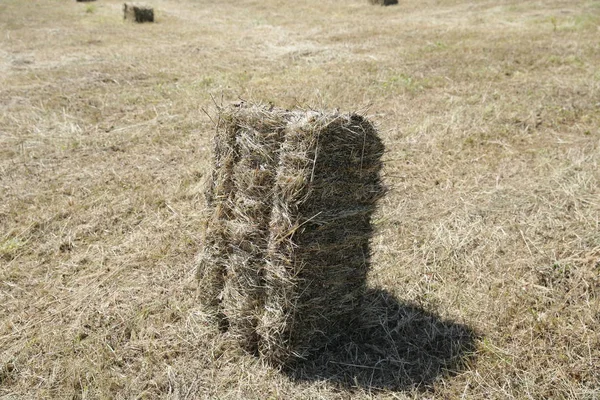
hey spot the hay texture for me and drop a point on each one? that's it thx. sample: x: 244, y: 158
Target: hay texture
x: 138, y: 12
x: 286, y: 252
x: 383, y: 2
x: 239, y: 200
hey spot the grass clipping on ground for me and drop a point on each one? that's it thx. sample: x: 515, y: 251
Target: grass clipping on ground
x: 286, y: 249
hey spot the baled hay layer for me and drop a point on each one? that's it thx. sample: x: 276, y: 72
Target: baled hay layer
x: 326, y: 188
x: 214, y: 257
x: 257, y: 140
x: 384, y: 2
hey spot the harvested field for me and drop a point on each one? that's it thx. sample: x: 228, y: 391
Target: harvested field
x: 485, y: 252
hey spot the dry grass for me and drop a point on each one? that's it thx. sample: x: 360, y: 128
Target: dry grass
x: 490, y: 111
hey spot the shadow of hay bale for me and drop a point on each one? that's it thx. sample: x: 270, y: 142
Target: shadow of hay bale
x: 393, y: 346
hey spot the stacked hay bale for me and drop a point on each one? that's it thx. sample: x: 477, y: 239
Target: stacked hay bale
x: 383, y: 2
x: 138, y: 12
x: 292, y: 263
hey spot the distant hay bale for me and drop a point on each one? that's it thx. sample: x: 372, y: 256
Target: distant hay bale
x: 138, y: 12
x: 84, y: 1
x: 383, y: 2
x: 287, y: 247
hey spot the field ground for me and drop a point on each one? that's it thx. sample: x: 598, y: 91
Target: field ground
x: 489, y: 240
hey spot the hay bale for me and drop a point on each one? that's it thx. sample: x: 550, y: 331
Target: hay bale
x: 292, y: 206
x: 258, y: 135
x: 84, y: 1
x: 383, y: 2
x: 138, y: 12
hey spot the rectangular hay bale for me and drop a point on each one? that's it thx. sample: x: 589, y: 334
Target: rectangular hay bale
x: 138, y: 12
x: 383, y: 2
x: 291, y: 198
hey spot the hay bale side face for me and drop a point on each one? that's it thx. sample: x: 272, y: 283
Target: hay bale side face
x: 326, y: 189
x: 258, y: 135
x: 213, y: 259
x: 138, y: 12
x: 144, y: 14
x: 128, y: 13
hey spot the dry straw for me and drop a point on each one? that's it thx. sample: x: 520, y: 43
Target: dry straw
x: 287, y: 242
